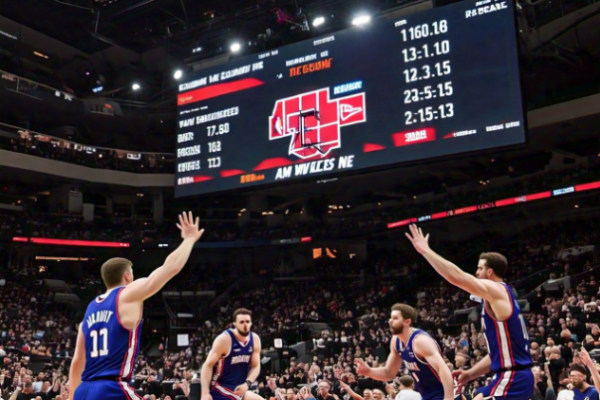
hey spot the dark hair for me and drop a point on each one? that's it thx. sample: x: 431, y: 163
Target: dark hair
x: 112, y: 271
x: 407, y: 381
x: 496, y: 262
x: 407, y: 312
x: 241, y: 311
x: 578, y: 368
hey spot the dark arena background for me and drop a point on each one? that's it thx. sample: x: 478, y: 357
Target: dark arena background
x: 309, y: 136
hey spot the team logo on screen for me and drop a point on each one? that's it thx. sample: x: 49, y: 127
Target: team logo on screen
x: 313, y: 121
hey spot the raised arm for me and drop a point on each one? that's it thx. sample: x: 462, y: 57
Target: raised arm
x: 386, y: 373
x: 351, y: 392
x: 219, y: 349
x: 141, y: 289
x: 487, y: 290
x: 587, y: 360
x: 426, y: 348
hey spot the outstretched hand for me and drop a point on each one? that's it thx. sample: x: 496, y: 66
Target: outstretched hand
x: 584, y: 356
x: 189, y: 228
x: 417, y: 239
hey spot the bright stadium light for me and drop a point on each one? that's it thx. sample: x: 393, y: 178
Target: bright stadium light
x: 361, y: 20
x: 235, y: 47
x: 178, y: 74
x: 318, y: 21
x: 136, y: 86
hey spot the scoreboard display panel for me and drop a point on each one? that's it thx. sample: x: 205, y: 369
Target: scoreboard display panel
x: 440, y: 82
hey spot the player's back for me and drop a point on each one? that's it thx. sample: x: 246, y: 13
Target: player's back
x: 110, y: 348
x: 232, y: 369
x: 427, y: 381
x: 508, y: 341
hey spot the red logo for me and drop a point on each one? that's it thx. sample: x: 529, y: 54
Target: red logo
x: 313, y: 121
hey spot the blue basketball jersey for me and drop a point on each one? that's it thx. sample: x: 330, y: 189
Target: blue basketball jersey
x: 507, y: 341
x: 427, y: 381
x: 589, y: 394
x: 232, y: 369
x: 110, y: 349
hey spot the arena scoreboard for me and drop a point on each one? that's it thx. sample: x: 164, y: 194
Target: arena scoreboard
x: 440, y: 82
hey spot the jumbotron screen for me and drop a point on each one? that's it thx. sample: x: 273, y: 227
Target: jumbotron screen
x: 440, y: 82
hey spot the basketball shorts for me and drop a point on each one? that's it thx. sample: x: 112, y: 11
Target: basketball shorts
x: 105, y: 390
x: 220, y: 392
x: 509, y: 385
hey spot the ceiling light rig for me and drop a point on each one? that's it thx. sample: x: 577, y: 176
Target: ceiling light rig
x: 300, y: 21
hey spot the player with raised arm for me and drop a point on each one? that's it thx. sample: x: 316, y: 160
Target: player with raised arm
x: 420, y: 353
x: 504, y: 326
x: 233, y: 362
x: 108, y: 339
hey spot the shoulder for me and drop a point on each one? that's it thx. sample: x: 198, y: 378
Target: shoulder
x: 223, y: 339
x: 422, y: 338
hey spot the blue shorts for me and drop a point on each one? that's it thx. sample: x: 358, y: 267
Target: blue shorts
x: 220, y: 392
x: 105, y: 390
x: 509, y: 385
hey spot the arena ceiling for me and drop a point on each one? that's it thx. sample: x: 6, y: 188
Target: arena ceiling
x: 180, y: 25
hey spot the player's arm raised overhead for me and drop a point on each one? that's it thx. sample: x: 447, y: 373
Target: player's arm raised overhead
x: 220, y: 348
x: 77, y: 364
x: 589, y: 363
x: 487, y: 290
x: 426, y: 348
x: 386, y: 373
x: 143, y: 288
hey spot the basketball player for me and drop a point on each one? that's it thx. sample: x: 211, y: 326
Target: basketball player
x: 108, y: 338
x: 504, y: 326
x: 233, y: 362
x: 420, y: 354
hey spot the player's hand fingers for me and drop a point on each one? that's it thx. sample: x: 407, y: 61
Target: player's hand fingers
x: 180, y: 220
x: 190, y: 217
x: 197, y: 222
x: 408, y: 236
x: 179, y: 227
x: 427, y: 238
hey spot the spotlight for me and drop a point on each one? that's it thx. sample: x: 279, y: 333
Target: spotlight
x: 361, y: 20
x: 318, y: 21
x: 235, y: 47
x: 178, y: 74
x: 136, y: 86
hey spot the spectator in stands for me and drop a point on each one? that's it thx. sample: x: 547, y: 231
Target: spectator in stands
x: 581, y: 388
x: 323, y: 391
x: 407, y: 392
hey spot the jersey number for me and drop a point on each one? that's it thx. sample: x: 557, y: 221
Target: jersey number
x: 103, y: 333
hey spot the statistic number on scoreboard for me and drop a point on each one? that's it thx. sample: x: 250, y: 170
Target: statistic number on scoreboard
x: 426, y: 72
x: 220, y: 129
x: 426, y: 51
x: 428, y: 92
x: 214, y: 147
x: 214, y: 162
x: 424, y: 30
x: 427, y: 114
